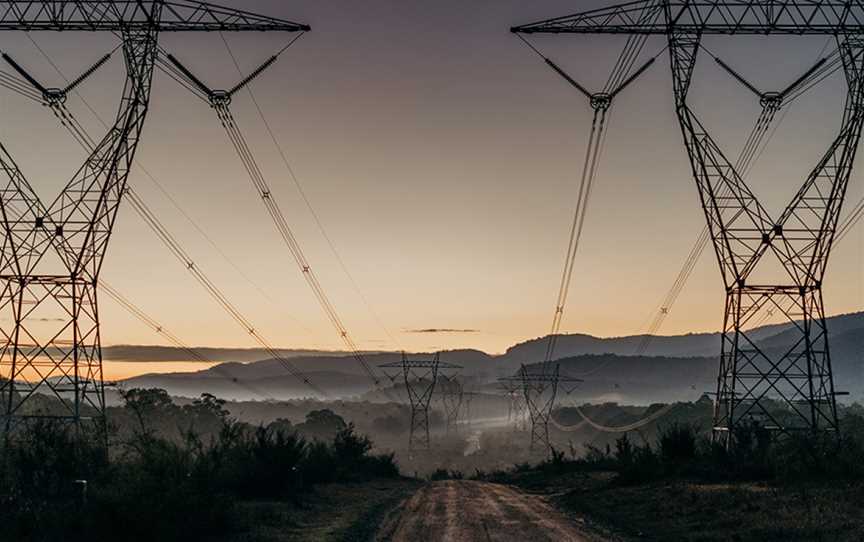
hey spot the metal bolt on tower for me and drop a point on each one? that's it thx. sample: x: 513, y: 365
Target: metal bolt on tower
x: 778, y: 389
x: 51, y: 359
x: 420, y: 377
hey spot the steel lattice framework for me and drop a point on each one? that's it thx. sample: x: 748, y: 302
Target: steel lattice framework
x: 538, y: 386
x: 753, y: 380
x: 516, y: 408
x: 420, y: 377
x: 52, y: 254
x: 452, y: 394
x: 468, y: 399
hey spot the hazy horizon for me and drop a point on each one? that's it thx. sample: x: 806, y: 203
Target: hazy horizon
x: 123, y: 361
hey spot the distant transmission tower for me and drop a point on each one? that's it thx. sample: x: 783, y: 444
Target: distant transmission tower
x: 516, y: 408
x: 540, y: 389
x: 452, y: 396
x: 779, y: 389
x: 468, y: 397
x: 420, y: 377
x: 52, y: 254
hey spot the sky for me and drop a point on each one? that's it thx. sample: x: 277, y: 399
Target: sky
x: 442, y: 158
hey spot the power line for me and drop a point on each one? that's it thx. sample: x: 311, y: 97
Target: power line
x: 220, y: 101
x: 621, y: 76
x: 150, y: 322
x: 283, y: 156
x: 754, y: 147
x: 81, y: 136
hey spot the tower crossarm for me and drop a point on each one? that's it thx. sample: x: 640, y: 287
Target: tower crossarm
x: 830, y: 17
x: 131, y: 15
x: 78, y: 223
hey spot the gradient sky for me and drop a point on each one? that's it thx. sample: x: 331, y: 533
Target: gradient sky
x: 442, y: 157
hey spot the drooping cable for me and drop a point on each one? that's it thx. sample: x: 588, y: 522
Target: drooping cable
x: 654, y: 416
x: 196, y: 354
x: 262, y: 188
x: 114, y: 294
x: 589, y: 172
x: 13, y: 83
x: 159, y: 328
x: 174, y: 247
x: 79, y: 133
x: 221, y: 105
x: 622, y: 75
x: 84, y: 140
x: 851, y: 221
x: 168, y: 67
x: 300, y: 190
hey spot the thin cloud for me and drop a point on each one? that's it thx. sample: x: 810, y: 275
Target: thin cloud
x: 39, y: 319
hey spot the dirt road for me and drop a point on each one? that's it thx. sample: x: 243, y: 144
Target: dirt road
x: 467, y: 511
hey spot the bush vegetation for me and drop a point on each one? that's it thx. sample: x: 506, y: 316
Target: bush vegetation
x: 683, y: 451
x: 57, y: 484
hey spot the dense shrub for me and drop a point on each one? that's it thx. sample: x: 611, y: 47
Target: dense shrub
x: 753, y: 454
x: 164, y: 492
x: 677, y: 444
x: 347, y: 459
x: 258, y: 463
x: 156, y: 487
x: 41, y: 479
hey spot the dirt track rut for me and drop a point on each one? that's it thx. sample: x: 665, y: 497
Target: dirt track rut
x: 467, y: 511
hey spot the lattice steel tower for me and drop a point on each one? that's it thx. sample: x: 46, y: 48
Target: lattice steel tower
x: 785, y: 389
x: 452, y: 394
x: 420, y: 377
x: 52, y: 254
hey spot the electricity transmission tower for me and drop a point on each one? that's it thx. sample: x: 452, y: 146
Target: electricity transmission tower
x: 516, y: 407
x: 52, y: 254
x: 540, y: 389
x: 452, y: 397
x: 789, y: 389
x: 420, y: 377
x: 468, y: 398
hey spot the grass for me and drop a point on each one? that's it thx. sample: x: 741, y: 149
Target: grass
x: 685, y: 510
x: 334, y: 513
x: 682, y: 488
x: 680, y: 510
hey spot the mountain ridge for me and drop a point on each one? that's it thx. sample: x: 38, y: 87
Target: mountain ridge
x: 340, y: 371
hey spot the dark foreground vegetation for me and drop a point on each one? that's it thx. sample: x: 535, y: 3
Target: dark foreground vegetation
x: 682, y: 486
x: 172, y: 473
x: 182, y: 469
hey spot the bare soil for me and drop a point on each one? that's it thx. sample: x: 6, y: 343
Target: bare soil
x: 468, y: 511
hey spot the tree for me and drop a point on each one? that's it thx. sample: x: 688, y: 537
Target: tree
x: 322, y: 424
x: 206, y: 414
x: 150, y: 406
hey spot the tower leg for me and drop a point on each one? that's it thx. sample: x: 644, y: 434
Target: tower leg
x: 51, y: 360
x: 785, y: 389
